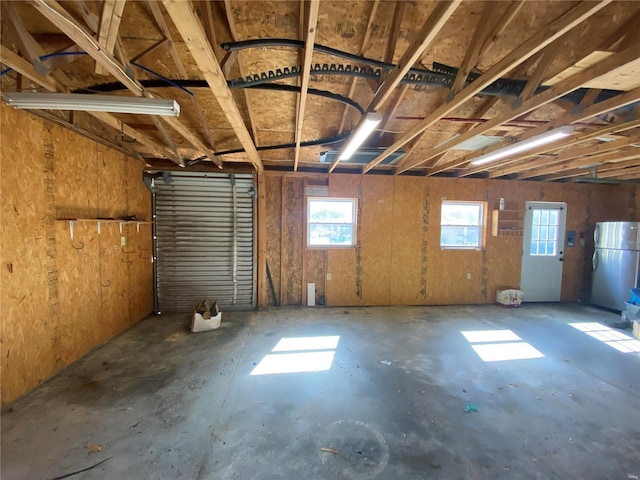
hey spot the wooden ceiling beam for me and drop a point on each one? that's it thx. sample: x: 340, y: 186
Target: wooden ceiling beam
x: 57, y: 15
x: 209, y: 28
x: 560, y: 89
x: 312, y: 20
x: 622, y: 173
x: 526, y: 166
x: 394, y: 109
x: 22, y: 66
x: 164, y: 28
x: 148, y: 142
x: 245, y: 91
x: 612, y: 160
x: 394, y: 34
x: 582, y: 163
x: 153, y: 53
x: 534, y: 44
x: 110, y: 19
x: 596, y: 109
x: 548, y: 56
x: 510, y: 13
x: 421, y: 42
x: 188, y: 24
x: 354, y: 80
x: 472, y: 54
x: 92, y: 21
x: 19, y: 64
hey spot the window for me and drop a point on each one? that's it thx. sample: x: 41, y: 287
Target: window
x: 461, y: 225
x: 544, y: 231
x: 331, y: 222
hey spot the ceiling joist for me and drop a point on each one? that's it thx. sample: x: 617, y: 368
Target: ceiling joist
x: 534, y: 44
x: 311, y: 22
x: 110, y: 19
x: 57, y: 15
x: 543, y: 98
x: 186, y: 21
x: 421, y: 42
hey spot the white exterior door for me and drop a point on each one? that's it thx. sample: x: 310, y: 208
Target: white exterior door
x: 543, y: 251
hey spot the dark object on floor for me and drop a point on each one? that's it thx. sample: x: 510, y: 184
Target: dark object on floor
x: 83, y: 470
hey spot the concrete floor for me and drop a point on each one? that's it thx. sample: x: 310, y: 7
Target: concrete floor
x: 162, y: 403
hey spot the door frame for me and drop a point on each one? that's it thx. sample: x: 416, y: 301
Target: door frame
x: 526, y: 245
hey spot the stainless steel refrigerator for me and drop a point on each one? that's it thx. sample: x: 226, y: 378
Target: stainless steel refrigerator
x: 616, y: 263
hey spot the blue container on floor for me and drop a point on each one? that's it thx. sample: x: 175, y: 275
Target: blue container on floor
x: 635, y: 296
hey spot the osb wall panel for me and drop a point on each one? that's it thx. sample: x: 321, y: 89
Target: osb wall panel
x: 345, y: 264
x: 63, y: 296
x: 316, y: 271
x: 410, y: 226
x: 292, y: 236
x: 376, y: 239
x: 398, y: 260
x: 273, y: 219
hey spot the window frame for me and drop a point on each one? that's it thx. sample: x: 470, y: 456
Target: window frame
x: 482, y: 225
x: 353, y: 223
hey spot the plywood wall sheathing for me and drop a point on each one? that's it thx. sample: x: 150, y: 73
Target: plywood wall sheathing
x: 63, y: 296
x: 398, y: 259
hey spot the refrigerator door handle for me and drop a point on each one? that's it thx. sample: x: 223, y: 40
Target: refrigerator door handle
x: 596, y: 234
x: 594, y: 261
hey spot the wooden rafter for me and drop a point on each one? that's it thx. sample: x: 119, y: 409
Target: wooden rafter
x: 423, y: 39
x: 61, y: 82
x: 478, y: 39
x: 20, y: 65
x: 92, y: 21
x: 209, y: 28
x: 590, y: 97
x: 110, y: 19
x: 245, y: 91
x: 394, y: 108
x: 596, y: 109
x: 148, y: 142
x: 549, y: 95
x: 566, y: 156
x: 502, y: 24
x: 164, y: 28
x: 583, y: 162
x: 547, y: 57
x: 612, y: 164
x: 396, y: 24
x: 312, y: 20
x: 185, y: 19
x: 52, y: 10
x: 365, y: 41
x: 534, y: 44
x: 152, y: 53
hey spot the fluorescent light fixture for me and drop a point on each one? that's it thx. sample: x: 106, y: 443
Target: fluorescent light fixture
x: 367, y: 125
x: 92, y: 103
x: 538, y: 140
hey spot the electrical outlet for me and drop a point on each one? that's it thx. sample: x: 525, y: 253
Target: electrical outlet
x: 468, y: 276
x: 123, y: 241
x: 328, y: 276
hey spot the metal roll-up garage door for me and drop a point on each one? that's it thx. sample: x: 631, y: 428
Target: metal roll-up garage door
x: 204, y: 240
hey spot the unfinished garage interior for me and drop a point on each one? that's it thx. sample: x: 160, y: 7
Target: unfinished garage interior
x: 396, y: 205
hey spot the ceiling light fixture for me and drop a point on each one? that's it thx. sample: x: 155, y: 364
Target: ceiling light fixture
x: 367, y: 125
x: 92, y: 103
x: 538, y: 140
